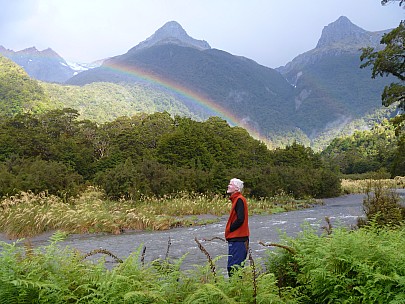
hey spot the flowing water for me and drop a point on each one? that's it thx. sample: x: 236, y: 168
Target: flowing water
x: 342, y: 210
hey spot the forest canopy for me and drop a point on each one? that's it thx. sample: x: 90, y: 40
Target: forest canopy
x: 152, y: 154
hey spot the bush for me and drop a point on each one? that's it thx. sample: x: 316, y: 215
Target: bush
x: 382, y: 205
x: 39, y: 175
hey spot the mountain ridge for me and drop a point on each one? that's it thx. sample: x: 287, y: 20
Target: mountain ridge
x: 320, y: 89
x: 340, y: 36
x: 45, y: 65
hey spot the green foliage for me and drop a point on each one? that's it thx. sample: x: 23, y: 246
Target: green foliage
x: 119, y: 181
x: 296, y: 155
x: 382, y: 206
x: 103, y: 102
x: 53, y: 275
x: 364, y: 151
x: 38, y: 175
x: 389, y: 61
x: 398, y: 165
x: 361, y: 266
x: 300, y: 182
x: 154, y: 154
x: 296, y: 170
x: 18, y: 92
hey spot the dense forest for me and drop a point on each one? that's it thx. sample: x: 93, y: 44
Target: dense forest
x: 377, y: 149
x: 151, y: 154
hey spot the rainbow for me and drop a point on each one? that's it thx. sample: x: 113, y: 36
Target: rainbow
x: 199, y: 98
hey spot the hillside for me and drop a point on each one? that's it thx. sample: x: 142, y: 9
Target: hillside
x: 102, y: 102
x: 18, y: 92
x: 334, y: 91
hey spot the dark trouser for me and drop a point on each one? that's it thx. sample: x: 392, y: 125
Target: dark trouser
x: 237, y: 253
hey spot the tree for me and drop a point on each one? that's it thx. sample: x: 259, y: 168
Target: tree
x: 389, y: 61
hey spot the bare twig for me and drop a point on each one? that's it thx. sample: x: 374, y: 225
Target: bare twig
x: 328, y: 228
x: 203, y: 250
x: 214, y: 238
x: 289, y: 249
x: 104, y: 251
x: 143, y: 256
x: 169, y: 243
x: 252, y: 264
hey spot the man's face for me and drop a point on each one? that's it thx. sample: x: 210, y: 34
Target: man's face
x: 231, y: 188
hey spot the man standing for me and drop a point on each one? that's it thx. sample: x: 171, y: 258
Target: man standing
x: 237, y: 228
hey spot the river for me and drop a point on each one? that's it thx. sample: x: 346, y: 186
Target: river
x: 343, y: 210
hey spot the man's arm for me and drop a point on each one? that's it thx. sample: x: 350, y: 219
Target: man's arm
x: 240, y: 215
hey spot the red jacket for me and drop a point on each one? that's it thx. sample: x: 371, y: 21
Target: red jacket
x: 242, y: 232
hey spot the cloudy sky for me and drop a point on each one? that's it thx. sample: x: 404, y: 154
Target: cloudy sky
x: 271, y: 32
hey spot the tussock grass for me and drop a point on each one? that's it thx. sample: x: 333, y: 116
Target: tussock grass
x: 350, y: 186
x: 28, y: 214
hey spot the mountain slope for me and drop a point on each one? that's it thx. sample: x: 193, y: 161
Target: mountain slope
x: 44, y: 65
x: 259, y: 97
x: 18, y: 92
x: 325, y: 87
x: 331, y: 89
x: 102, y: 102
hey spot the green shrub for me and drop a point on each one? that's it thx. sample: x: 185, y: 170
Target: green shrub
x: 39, y: 175
x: 382, y: 205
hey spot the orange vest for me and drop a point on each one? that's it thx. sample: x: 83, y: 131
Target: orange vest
x: 242, y: 231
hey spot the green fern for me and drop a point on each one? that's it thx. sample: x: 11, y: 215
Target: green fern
x: 208, y: 293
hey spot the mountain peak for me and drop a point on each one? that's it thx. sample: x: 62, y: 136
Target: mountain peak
x: 172, y: 33
x: 51, y: 53
x: 171, y: 29
x: 30, y: 50
x: 342, y: 31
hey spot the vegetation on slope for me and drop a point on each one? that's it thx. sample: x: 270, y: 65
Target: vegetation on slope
x: 18, y: 92
x: 366, y: 151
x: 102, y: 101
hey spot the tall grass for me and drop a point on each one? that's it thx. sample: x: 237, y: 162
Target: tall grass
x: 362, y: 185
x: 27, y: 214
